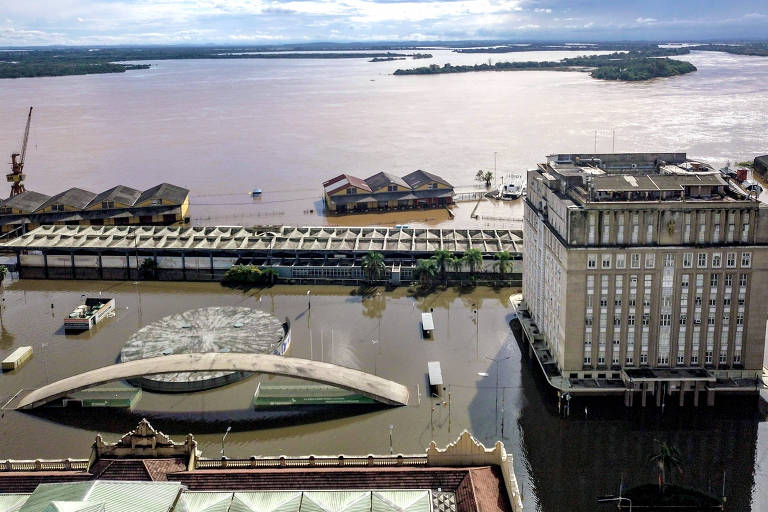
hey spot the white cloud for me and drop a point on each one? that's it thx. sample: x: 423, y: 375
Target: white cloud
x: 542, y: 10
x: 645, y: 20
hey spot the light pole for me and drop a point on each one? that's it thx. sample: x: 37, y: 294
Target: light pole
x: 496, y: 361
x: 309, y: 299
x: 374, y: 342
x: 223, y: 438
x: 391, y: 450
x: 617, y: 498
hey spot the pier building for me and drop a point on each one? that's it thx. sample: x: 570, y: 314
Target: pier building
x: 300, y: 254
x: 644, y: 272
x: 385, y: 191
x: 146, y: 470
x: 161, y: 205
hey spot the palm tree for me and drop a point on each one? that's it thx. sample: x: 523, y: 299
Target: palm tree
x: 457, y: 264
x: 425, y: 271
x: 666, y: 459
x: 503, y: 262
x: 373, y: 265
x: 442, y: 257
x: 473, y: 258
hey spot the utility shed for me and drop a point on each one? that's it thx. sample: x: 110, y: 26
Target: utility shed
x: 17, y: 358
x: 427, y: 325
x: 435, y: 378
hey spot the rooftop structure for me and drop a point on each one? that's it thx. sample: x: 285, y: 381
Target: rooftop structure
x: 214, y: 329
x: 644, y: 261
x: 205, y: 253
x: 163, y: 204
x: 145, y: 470
x: 419, y: 189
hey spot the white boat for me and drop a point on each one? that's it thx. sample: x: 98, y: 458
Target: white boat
x: 87, y: 315
x: 752, y: 186
x: 512, y: 187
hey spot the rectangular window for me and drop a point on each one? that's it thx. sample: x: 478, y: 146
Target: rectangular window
x: 687, y: 258
x: 727, y: 302
x: 591, y: 261
x: 669, y: 260
x: 708, y: 357
x: 728, y: 280
x: 717, y: 260
x: 587, y: 360
x: 683, y: 319
x: 634, y: 260
x: 713, y: 281
x: 606, y: 228
x: 588, y: 321
x: 650, y: 260
x: 603, y: 302
x: 631, y: 319
x: 591, y: 232
x: 621, y: 261
x: 740, y: 319
x: 687, y: 229
x: 606, y: 261
x: 617, y: 303
x: 665, y: 320
x: 616, y: 321
x: 746, y: 259
x: 742, y: 280
x: 730, y: 260
x: 351, y: 190
x: 745, y: 232
x: 710, y: 320
x: 646, y: 319
x: 701, y: 260
x: 684, y: 280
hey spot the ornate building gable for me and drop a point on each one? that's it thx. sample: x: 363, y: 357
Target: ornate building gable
x: 145, y: 442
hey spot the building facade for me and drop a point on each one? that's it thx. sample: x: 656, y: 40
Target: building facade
x: 161, y: 205
x: 645, y: 261
x: 385, y: 191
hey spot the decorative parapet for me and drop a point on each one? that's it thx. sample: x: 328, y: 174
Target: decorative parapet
x: 44, y: 465
x: 468, y: 451
x: 314, y: 461
x: 146, y: 442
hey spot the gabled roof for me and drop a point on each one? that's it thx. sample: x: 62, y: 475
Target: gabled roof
x: 383, y: 179
x: 120, y: 194
x: 74, y: 197
x: 166, y: 191
x: 343, y: 181
x: 28, y: 201
x: 419, y: 178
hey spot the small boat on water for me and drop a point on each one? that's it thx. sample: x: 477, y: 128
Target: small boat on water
x: 512, y: 187
x: 87, y: 315
x: 256, y: 192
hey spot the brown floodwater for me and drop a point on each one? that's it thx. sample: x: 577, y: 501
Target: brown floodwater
x: 562, y: 464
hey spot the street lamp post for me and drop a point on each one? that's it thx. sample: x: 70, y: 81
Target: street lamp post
x: 309, y: 299
x: 391, y: 450
x: 223, y: 438
x: 496, y: 361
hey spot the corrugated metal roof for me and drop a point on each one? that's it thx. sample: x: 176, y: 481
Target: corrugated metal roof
x: 336, y: 501
x: 117, y: 496
x: 266, y: 501
x: 418, y: 178
x: 120, y: 193
x: 74, y: 198
x: 166, y: 191
x: 75, y: 506
x: 27, y: 201
x: 12, y: 502
x: 383, y: 179
x: 401, y: 501
x: 204, y: 502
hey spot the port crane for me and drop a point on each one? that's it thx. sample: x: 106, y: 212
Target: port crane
x: 16, y: 175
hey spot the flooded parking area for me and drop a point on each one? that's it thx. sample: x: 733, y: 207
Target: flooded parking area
x: 491, y: 389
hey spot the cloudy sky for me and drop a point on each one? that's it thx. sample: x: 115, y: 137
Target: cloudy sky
x: 36, y: 22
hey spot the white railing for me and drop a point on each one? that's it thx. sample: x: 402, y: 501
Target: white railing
x: 44, y: 465
x: 312, y: 461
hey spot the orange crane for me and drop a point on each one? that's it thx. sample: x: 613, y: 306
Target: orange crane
x: 16, y: 176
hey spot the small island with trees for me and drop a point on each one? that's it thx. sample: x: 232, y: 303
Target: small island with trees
x: 625, y: 66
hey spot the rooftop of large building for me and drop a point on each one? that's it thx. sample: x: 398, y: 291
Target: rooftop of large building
x: 78, y: 199
x: 637, y: 177
x: 383, y: 179
x: 146, y: 470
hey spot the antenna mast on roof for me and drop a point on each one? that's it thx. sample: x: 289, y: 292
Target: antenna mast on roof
x: 16, y: 175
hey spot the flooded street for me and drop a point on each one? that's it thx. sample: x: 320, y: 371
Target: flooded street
x: 562, y: 464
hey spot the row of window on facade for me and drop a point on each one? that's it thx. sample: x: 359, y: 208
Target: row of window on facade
x: 650, y: 227
x: 702, y: 260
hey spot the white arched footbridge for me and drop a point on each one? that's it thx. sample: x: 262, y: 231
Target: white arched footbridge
x: 377, y: 388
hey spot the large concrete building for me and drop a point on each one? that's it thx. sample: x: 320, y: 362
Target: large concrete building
x: 644, y: 272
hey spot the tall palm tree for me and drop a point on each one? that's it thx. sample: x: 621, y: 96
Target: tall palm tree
x: 425, y: 271
x: 667, y: 459
x: 442, y: 257
x: 373, y: 265
x: 473, y: 258
x: 457, y: 264
x: 503, y: 262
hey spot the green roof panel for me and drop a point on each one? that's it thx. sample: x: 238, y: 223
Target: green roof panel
x: 266, y: 501
x: 12, y: 502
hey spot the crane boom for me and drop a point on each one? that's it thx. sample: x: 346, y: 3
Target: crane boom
x: 16, y: 177
x: 26, y: 137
